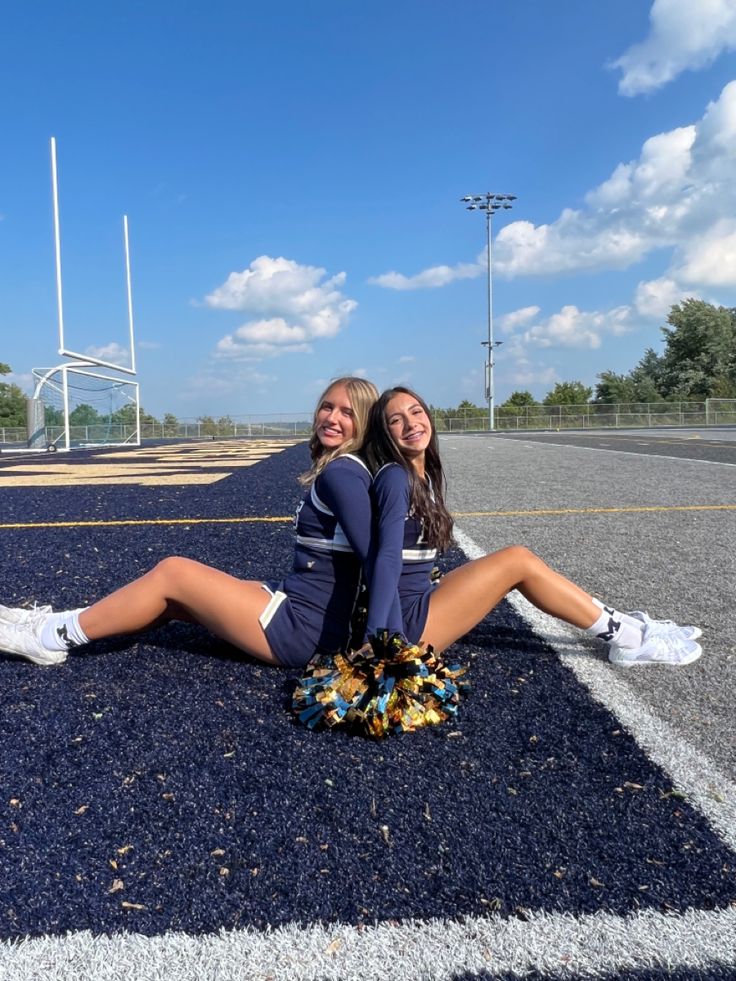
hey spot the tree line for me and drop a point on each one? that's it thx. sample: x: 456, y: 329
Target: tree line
x: 698, y: 362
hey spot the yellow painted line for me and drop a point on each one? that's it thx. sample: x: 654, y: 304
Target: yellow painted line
x: 281, y: 519
x: 204, y: 448
x: 118, y: 469
x: 146, y: 521
x: 628, y: 510
x: 144, y: 480
x: 261, y: 452
x: 131, y: 466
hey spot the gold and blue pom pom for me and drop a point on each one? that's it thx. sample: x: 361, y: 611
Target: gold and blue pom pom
x: 392, y: 687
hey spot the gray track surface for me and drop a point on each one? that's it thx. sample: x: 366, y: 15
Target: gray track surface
x: 713, y: 446
x: 673, y: 564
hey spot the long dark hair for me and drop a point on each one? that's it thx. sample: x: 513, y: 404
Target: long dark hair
x: 427, y: 499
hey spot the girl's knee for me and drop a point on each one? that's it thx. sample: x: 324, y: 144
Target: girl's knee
x: 171, y: 568
x: 518, y: 554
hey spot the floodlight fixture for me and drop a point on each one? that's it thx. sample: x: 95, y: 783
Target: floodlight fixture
x: 490, y: 203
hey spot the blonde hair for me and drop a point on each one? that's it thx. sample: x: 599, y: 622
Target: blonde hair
x: 363, y: 394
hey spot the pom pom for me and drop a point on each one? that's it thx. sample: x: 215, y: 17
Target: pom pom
x: 392, y: 686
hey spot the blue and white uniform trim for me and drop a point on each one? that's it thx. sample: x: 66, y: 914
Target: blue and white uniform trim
x: 310, y: 610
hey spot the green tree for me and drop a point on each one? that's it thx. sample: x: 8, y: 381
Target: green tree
x: 126, y: 417
x: 518, y: 399
x: 648, y: 375
x: 568, y: 393
x: 700, y: 351
x: 208, y: 426
x: 84, y: 415
x: 612, y: 387
x: 53, y: 417
x: 641, y: 385
x: 171, y: 425
x: 468, y: 410
x: 12, y: 402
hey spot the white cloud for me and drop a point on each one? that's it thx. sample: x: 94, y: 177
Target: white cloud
x: 672, y: 196
x: 113, y: 352
x: 511, y: 321
x: 150, y: 345
x: 215, y: 383
x: 684, y: 34
x: 526, y: 373
x: 570, y: 327
x: 710, y: 258
x: 406, y: 359
x: 232, y: 349
x: 24, y: 380
x: 296, y: 304
x: 432, y: 277
x: 654, y: 299
x: 658, y: 173
x: 273, y: 331
x: 587, y: 329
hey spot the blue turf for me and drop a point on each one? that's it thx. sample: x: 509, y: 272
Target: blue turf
x: 175, y: 745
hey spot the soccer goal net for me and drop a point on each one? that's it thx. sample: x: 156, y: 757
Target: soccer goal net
x: 74, y: 407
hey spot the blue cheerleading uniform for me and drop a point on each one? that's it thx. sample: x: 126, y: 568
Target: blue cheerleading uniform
x: 309, y: 611
x: 400, y: 563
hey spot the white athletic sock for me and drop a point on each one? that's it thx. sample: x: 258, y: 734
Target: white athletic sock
x: 626, y: 617
x: 616, y: 628
x: 61, y: 631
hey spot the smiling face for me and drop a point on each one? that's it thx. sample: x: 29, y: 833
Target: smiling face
x: 334, y: 420
x: 409, y: 425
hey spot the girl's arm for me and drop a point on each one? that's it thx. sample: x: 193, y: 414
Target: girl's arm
x: 344, y: 487
x: 390, y: 493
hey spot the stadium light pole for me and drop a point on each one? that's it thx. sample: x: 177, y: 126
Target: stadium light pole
x: 489, y: 203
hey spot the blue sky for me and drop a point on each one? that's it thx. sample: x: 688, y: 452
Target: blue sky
x: 292, y: 178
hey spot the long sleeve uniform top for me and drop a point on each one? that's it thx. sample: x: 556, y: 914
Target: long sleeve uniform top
x: 333, y: 534
x: 400, y: 563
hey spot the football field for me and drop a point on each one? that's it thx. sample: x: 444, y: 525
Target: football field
x: 164, y: 816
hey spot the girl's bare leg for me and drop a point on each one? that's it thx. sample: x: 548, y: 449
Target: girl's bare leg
x: 182, y: 589
x: 465, y: 595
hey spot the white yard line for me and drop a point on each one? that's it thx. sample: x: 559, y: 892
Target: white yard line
x: 592, y: 946
x: 706, y: 787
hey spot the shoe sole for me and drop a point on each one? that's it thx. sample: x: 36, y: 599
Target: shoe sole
x: 43, y: 662
x: 688, y: 659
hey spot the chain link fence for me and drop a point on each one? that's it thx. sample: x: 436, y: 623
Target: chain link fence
x: 712, y: 412
x: 624, y: 415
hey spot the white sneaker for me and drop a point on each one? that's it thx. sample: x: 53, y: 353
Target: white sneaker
x: 22, y: 639
x: 667, y: 626
x: 656, y: 648
x: 21, y: 614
